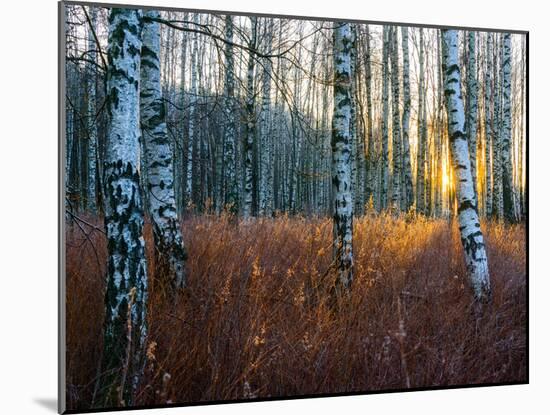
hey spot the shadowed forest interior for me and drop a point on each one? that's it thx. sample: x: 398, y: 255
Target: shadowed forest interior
x: 266, y: 207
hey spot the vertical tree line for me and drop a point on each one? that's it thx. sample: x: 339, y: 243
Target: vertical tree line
x: 189, y: 113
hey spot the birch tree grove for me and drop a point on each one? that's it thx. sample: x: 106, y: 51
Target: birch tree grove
x: 470, y: 229
x: 126, y: 294
x: 213, y: 159
x: 171, y: 254
x: 341, y: 144
x: 247, y: 115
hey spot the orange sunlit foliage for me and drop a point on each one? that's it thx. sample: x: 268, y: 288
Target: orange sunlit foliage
x: 256, y: 319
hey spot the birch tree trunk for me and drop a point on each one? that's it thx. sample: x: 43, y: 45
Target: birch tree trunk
x: 396, y: 124
x: 385, y: 112
x: 408, y: 185
x: 126, y: 294
x: 189, y: 185
x: 266, y: 172
x: 91, y: 197
x: 421, y: 147
x: 170, y: 252
x: 507, y: 179
x: 229, y: 160
x: 369, y: 193
x: 471, y: 120
x: 358, y: 140
x: 470, y: 230
x: 250, y: 124
x: 438, y: 205
x: 179, y: 160
x: 341, y: 144
x: 489, y: 131
x: 498, y: 210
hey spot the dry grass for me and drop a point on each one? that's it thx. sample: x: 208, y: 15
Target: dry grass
x: 255, y: 319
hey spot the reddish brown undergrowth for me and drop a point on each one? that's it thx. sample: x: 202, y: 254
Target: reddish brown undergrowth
x: 255, y: 319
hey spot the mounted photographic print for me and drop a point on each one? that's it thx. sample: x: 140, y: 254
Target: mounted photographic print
x: 259, y: 207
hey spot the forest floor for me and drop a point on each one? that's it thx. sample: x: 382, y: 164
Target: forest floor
x: 256, y: 319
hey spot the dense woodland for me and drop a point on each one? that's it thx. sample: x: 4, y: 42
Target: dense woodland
x: 186, y: 131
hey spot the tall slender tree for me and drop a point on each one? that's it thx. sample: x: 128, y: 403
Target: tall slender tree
x: 422, y: 132
x: 193, y: 102
x: 408, y: 185
x: 396, y: 123
x: 341, y: 143
x: 229, y: 140
x: 498, y: 209
x: 471, y: 105
x: 125, y: 329
x: 385, y: 118
x: 509, y: 204
x: 370, y: 164
x: 91, y: 198
x: 470, y: 229
x: 250, y: 122
x: 169, y: 249
x: 489, y: 131
x: 266, y: 179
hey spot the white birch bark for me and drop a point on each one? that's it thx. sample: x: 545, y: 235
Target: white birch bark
x: 91, y: 197
x: 498, y: 208
x: 266, y: 172
x: 489, y: 132
x: 509, y: 206
x: 250, y: 123
x: 396, y: 124
x: 229, y: 160
x: 470, y: 230
x: 422, y: 134
x: 358, y: 150
x: 341, y: 144
x: 192, y: 116
x: 170, y: 252
x: 438, y: 205
x: 408, y: 185
x: 472, y: 105
x: 179, y: 154
x: 126, y: 293
x: 371, y: 164
x: 385, y: 119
